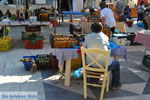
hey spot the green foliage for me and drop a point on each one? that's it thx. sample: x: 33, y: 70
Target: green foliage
x: 14, y: 18
x: 6, y: 31
x: 34, y: 37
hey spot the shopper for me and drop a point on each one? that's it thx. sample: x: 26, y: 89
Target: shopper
x: 127, y: 13
x: 102, y: 3
x: 107, y: 15
x: 141, y: 12
x: 119, y: 7
x: 97, y: 39
x: 8, y: 14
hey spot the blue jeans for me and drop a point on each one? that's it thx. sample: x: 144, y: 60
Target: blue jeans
x: 115, y: 68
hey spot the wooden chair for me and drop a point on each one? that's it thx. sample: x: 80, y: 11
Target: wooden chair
x: 101, y: 72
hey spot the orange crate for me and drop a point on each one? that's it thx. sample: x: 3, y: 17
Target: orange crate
x: 76, y: 63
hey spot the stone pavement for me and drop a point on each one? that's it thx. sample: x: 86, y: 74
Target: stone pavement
x: 13, y: 78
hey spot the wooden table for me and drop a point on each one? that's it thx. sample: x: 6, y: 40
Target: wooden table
x: 66, y: 54
x: 23, y: 23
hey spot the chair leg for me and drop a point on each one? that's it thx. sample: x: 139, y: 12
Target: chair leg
x: 85, y: 85
x: 108, y: 82
x: 103, y: 88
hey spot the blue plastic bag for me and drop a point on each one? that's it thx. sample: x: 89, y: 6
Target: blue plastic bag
x: 113, y: 45
x: 140, y: 24
x: 78, y: 73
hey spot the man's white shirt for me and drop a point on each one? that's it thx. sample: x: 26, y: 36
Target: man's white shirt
x: 108, y: 14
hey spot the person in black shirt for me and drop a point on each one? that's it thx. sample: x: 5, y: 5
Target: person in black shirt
x: 8, y: 14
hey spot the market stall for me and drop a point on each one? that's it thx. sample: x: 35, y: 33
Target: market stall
x: 143, y: 38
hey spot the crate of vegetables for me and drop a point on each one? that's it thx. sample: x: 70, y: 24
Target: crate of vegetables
x: 34, y: 41
x: 5, y: 43
x: 43, y: 61
x: 63, y: 41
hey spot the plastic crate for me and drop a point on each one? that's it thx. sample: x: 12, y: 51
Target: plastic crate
x: 62, y: 41
x: 5, y: 43
x: 27, y: 65
x: 43, y: 62
x: 37, y: 45
x: 129, y: 23
x: 76, y: 63
x: 33, y: 28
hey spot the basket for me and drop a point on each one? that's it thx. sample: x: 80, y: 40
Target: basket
x: 37, y: 45
x: 129, y: 23
x: 5, y: 43
x: 28, y: 65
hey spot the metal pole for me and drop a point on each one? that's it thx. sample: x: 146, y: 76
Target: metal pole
x: 55, y: 16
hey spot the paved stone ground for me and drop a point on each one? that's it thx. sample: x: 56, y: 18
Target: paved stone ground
x: 13, y: 78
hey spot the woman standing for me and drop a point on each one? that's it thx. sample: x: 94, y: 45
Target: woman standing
x: 141, y: 11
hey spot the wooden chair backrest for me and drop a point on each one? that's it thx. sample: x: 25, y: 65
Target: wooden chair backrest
x: 104, y: 55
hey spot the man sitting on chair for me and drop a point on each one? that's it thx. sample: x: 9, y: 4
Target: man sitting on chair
x: 97, y: 39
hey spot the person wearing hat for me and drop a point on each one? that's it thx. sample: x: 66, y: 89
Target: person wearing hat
x: 107, y: 16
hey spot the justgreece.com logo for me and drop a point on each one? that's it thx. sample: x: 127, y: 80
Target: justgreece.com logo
x: 18, y: 96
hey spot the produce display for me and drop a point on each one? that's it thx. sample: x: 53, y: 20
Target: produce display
x: 5, y: 43
x: 94, y: 19
x: 43, y: 17
x: 63, y: 41
x: 34, y: 40
x: 40, y: 62
x: 43, y: 62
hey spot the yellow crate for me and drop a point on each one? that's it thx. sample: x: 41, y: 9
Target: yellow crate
x: 76, y: 63
x: 5, y: 43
